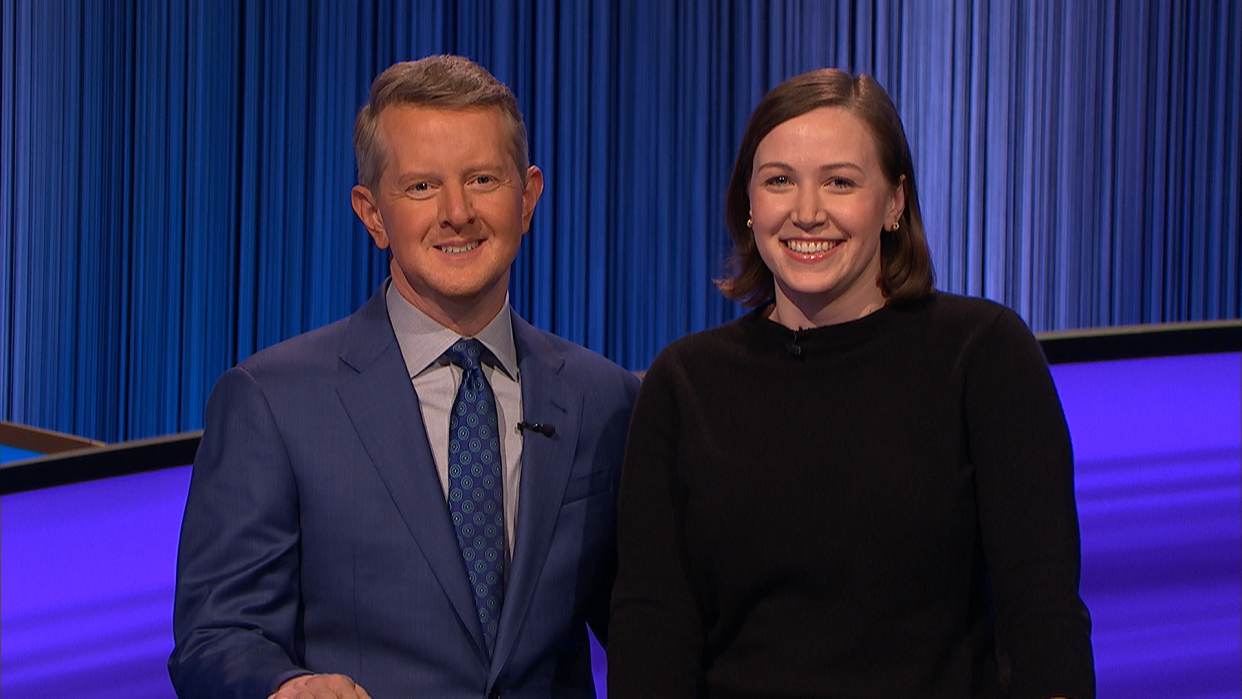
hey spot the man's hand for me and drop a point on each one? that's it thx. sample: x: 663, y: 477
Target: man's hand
x: 319, y: 687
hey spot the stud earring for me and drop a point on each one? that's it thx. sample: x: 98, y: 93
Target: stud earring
x: 896, y: 225
x: 750, y: 223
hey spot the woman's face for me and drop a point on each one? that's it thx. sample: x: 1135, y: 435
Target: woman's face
x: 818, y: 200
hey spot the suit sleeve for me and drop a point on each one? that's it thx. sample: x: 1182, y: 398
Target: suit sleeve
x: 657, y: 629
x: 1020, y: 446
x: 236, y: 603
x: 613, y: 433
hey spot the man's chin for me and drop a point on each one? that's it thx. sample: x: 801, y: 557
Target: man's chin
x: 456, y: 297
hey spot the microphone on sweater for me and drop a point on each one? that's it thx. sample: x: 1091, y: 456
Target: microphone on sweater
x: 792, y: 346
x: 542, y: 428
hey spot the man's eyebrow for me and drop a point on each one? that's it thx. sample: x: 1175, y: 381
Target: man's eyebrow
x: 413, y: 174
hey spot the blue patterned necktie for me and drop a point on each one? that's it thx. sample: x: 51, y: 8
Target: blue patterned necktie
x: 475, y: 497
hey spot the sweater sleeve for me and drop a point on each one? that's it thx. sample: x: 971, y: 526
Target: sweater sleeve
x: 656, y: 630
x: 1020, y: 447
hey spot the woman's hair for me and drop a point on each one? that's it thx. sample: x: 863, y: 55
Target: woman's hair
x: 905, y: 261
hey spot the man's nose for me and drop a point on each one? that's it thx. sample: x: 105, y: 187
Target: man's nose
x: 456, y: 207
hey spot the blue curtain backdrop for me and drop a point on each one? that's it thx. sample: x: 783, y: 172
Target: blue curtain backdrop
x: 174, y: 175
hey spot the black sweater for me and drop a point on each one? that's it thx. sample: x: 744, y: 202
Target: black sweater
x: 879, y: 508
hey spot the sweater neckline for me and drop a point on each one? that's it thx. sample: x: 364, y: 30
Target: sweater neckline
x: 835, y: 336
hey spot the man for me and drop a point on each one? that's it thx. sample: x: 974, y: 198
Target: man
x: 418, y: 500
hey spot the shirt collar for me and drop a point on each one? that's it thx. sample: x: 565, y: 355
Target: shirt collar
x: 423, y: 340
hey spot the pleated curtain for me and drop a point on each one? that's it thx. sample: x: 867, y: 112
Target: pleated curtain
x: 175, y: 174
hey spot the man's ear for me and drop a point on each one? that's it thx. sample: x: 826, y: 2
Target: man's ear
x: 363, y: 202
x: 530, y: 194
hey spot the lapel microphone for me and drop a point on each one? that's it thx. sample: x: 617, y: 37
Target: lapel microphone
x: 792, y: 346
x: 542, y: 428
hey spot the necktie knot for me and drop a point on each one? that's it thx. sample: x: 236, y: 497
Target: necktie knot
x: 465, y: 353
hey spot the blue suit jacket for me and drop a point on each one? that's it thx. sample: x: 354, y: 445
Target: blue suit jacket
x: 316, y: 535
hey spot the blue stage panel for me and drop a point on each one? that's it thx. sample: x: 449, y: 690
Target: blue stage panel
x: 8, y: 453
x: 1158, y: 473
x: 86, y: 582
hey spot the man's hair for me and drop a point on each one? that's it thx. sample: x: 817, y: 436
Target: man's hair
x: 442, y: 82
x: 905, y: 261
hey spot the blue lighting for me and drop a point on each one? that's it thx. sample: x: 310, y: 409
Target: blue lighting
x: 1158, y: 474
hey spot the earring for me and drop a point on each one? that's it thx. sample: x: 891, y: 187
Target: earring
x: 896, y: 225
x: 750, y: 223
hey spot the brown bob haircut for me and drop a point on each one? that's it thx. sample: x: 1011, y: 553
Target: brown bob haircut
x: 442, y: 82
x: 905, y: 261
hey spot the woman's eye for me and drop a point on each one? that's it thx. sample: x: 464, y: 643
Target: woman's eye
x: 840, y: 183
x: 778, y: 180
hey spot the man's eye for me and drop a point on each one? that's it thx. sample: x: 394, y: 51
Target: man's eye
x: 420, y: 187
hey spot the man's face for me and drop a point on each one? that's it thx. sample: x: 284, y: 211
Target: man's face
x: 452, y: 207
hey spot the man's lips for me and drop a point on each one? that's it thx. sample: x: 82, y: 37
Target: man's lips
x: 458, y: 248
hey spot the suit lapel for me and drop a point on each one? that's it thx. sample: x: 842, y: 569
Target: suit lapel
x: 546, y: 463
x: 384, y: 411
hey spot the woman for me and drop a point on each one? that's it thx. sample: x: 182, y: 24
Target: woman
x: 863, y: 487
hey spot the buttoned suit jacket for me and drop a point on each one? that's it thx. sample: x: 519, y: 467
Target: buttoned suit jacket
x: 316, y: 536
